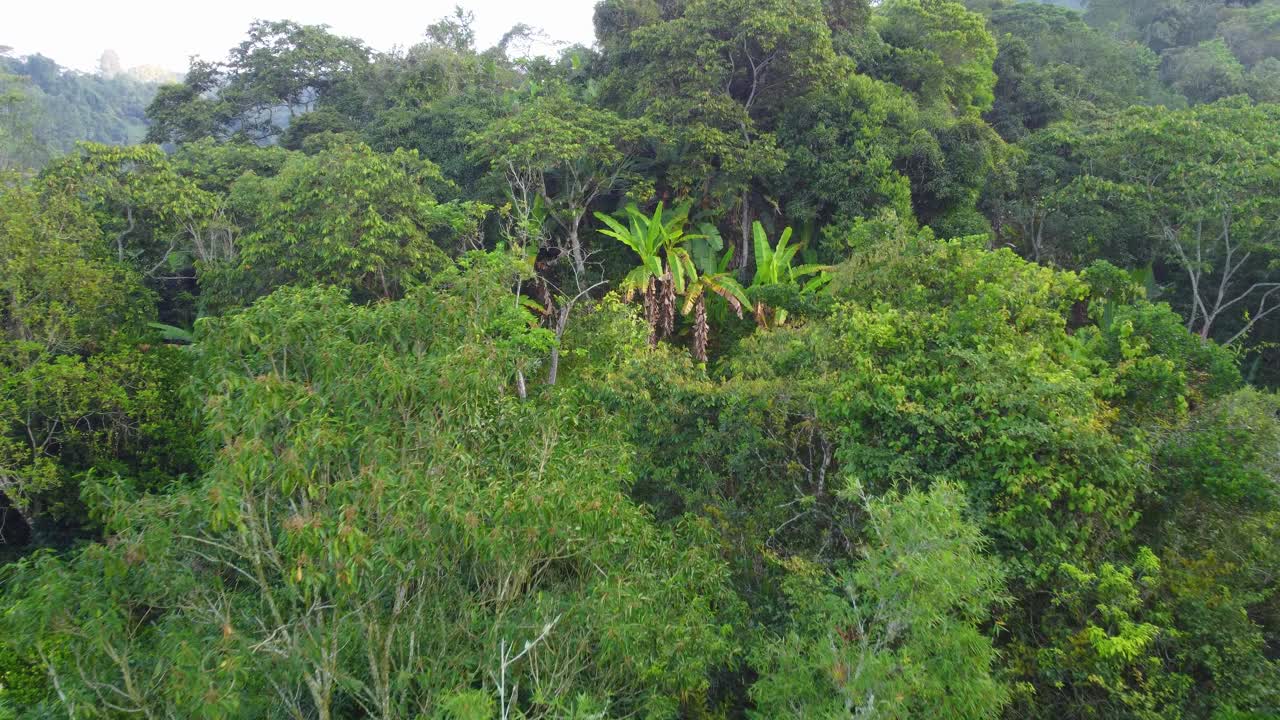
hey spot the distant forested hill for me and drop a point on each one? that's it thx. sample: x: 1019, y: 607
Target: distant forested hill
x: 46, y: 108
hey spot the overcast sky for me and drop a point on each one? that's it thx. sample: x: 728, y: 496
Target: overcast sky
x: 167, y: 32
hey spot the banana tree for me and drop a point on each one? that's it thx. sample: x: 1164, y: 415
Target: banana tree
x: 174, y: 334
x: 773, y: 267
x: 666, y: 267
x: 722, y: 283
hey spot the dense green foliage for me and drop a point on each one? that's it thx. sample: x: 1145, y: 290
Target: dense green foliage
x: 767, y: 359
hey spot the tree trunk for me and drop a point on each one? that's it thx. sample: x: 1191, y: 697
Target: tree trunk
x: 575, y: 252
x: 651, y: 310
x: 667, y: 306
x: 562, y: 320
x: 700, y: 331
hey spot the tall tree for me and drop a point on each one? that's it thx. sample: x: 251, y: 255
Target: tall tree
x: 151, y: 214
x: 845, y: 143
x: 897, y: 634
x: 718, y: 75
x: 350, y: 217
x: 84, y: 394
x: 281, y: 71
x: 940, y: 51
x: 1206, y: 182
x: 567, y: 154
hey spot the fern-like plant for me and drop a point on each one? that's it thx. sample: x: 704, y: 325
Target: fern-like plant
x: 773, y: 267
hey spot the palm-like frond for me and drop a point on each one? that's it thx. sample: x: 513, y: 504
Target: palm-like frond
x: 668, y: 269
x: 773, y: 267
x: 691, y: 298
x: 636, y: 281
x: 531, y: 304
x: 616, y: 231
x: 817, y: 283
x: 732, y: 291
x: 806, y: 270
x: 172, y: 333
x: 683, y: 271
x: 721, y: 283
x: 764, y: 257
x: 656, y: 231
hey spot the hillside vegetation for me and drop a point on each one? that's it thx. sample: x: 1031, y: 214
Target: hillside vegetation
x: 766, y: 359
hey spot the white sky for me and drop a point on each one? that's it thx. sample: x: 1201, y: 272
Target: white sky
x: 166, y: 32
